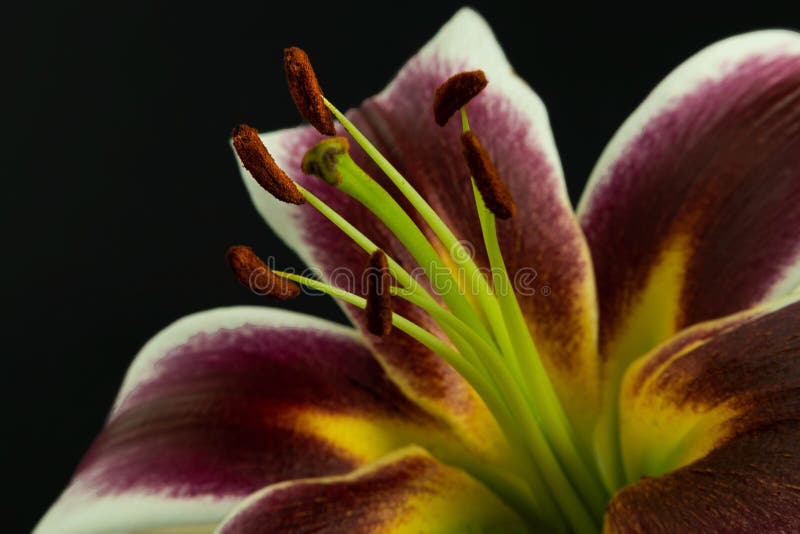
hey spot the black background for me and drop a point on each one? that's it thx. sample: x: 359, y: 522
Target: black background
x: 120, y: 193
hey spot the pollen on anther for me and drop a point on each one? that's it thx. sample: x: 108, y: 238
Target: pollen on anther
x: 455, y: 92
x: 252, y: 272
x: 495, y: 194
x: 379, y: 297
x: 305, y: 90
x: 258, y: 161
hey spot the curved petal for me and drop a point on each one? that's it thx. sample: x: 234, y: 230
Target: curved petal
x: 692, y: 211
x: 544, y: 249
x: 751, y: 484
x: 225, y: 402
x: 407, y: 491
x: 720, y: 401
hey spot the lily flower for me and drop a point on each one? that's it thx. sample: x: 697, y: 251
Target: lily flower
x: 515, y: 365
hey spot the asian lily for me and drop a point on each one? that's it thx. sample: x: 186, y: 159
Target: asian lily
x: 633, y: 366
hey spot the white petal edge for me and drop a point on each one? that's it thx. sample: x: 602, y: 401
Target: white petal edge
x: 78, y: 510
x: 711, y: 63
x: 132, y: 513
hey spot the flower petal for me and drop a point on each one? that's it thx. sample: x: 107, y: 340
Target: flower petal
x: 719, y: 402
x: 750, y: 484
x: 692, y: 211
x: 544, y: 249
x: 407, y: 491
x: 225, y: 402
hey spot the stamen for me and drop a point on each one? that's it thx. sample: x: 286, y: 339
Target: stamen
x: 322, y: 158
x: 258, y: 161
x: 305, y: 90
x: 478, y: 283
x: 493, y: 189
x: 454, y: 94
x: 252, y: 272
x: 361, y: 187
x: 379, y: 297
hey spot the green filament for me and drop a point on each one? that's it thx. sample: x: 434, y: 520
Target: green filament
x: 547, y: 407
x: 459, y: 255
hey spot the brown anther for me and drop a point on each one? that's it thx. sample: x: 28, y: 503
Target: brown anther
x: 252, y: 272
x: 454, y: 94
x: 379, y: 298
x: 305, y: 90
x: 258, y: 161
x: 495, y: 194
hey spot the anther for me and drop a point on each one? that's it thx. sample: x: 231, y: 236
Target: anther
x: 258, y: 161
x: 493, y: 190
x: 454, y: 94
x: 306, y: 92
x: 321, y: 159
x: 379, y: 297
x: 252, y: 272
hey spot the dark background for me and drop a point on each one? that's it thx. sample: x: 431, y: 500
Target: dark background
x: 120, y: 193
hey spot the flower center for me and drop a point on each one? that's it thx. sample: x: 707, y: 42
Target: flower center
x: 552, y: 479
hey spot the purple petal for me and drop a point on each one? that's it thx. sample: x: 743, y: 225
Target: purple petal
x: 693, y: 211
x: 748, y: 485
x: 720, y: 404
x: 407, y: 491
x: 225, y: 402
